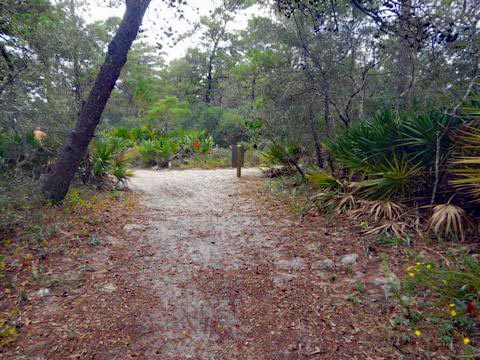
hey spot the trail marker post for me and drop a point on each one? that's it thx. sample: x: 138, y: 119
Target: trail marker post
x: 237, y: 158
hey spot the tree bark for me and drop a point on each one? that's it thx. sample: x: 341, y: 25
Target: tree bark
x: 252, y: 95
x: 328, y: 123
x: 57, y: 184
x: 208, y: 93
x: 404, y: 59
x: 77, y: 83
x: 211, y: 58
x: 316, y: 139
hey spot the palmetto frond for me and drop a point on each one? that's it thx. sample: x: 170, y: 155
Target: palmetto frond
x: 466, y: 165
x: 449, y: 220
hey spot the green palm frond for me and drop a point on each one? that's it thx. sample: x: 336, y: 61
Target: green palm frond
x: 418, y: 136
x: 396, y: 178
x: 321, y: 180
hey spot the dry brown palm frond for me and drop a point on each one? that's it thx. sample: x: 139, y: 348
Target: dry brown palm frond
x: 380, y: 210
x: 449, y: 220
x: 345, y: 202
x: 325, y: 200
x: 390, y: 227
x: 465, y: 166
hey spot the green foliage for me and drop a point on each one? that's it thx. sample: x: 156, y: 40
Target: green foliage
x: 134, y: 134
x: 111, y: 156
x: 8, y: 333
x: 121, y: 165
x: 218, y: 158
x: 418, y: 136
x: 25, y: 155
x: 367, y: 145
x: 393, y: 154
x: 282, y: 154
x: 195, y: 141
x: 445, y: 295
x: 252, y: 157
x: 101, y: 157
x: 8, y: 215
x: 372, y: 144
x: 227, y: 126
x: 157, y: 152
x: 165, y: 114
x: 155, y: 148
x: 321, y: 180
x: 4, y: 144
x: 396, y: 178
x: 392, y: 241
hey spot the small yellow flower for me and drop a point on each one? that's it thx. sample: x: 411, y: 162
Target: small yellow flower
x: 429, y: 266
x: 453, y: 313
x: 418, y: 263
x: 452, y: 305
x: 28, y: 257
x: 418, y: 332
x: 411, y: 274
x: 466, y: 341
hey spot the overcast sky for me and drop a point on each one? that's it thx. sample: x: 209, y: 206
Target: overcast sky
x: 159, y: 15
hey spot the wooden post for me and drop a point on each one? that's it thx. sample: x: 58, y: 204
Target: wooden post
x: 239, y: 160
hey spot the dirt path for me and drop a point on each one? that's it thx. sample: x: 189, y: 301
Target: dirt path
x: 198, y: 224
x: 235, y: 278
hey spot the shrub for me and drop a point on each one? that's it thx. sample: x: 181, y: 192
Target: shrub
x: 418, y: 136
x: 195, y: 141
x: 121, y: 165
x: 24, y: 154
x: 367, y: 145
x: 157, y: 152
x: 283, y: 154
x: 110, y: 156
x: 252, y: 157
x: 217, y: 158
x: 227, y: 126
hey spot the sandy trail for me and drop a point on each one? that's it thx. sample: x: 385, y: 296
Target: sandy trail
x: 197, y: 224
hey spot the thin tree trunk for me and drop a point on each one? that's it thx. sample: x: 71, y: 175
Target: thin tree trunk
x: 57, y: 184
x: 328, y: 123
x: 404, y: 60
x: 327, y: 113
x: 77, y: 84
x: 361, y: 105
x: 316, y: 139
x: 252, y: 95
x: 208, y: 93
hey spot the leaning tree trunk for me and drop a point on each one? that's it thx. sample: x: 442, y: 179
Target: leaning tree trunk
x: 57, y: 184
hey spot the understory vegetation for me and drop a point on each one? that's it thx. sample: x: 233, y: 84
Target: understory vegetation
x: 359, y: 109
